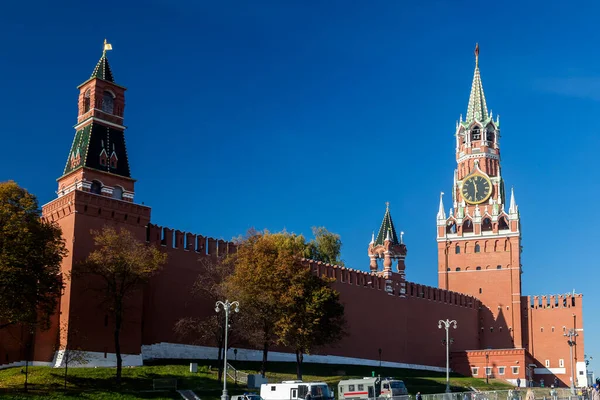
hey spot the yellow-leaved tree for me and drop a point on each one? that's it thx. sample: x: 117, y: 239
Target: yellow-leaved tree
x: 288, y: 304
x: 123, y: 264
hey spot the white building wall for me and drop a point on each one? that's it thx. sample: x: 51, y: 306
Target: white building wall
x: 581, y: 378
x: 183, y: 351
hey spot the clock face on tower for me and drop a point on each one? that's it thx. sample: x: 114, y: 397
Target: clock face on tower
x: 476, y: 189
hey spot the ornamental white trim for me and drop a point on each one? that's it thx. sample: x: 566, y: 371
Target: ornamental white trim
x: 478, y: 155
x: 164, y: 350
x: 94, y: 119
x: 454, y: 237
x: 549, y: 371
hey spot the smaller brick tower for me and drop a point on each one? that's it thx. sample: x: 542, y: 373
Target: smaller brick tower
x: 388, y: 248
x: 94, y: 191
x: 98, y: 162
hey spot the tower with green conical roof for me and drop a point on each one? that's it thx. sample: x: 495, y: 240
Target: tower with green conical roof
x: 97, y: 161
x: 387, y: 247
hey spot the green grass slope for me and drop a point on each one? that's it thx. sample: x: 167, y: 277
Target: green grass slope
x: 98, y: 383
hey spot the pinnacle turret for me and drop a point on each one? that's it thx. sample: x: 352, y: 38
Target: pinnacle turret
x: 512, y: 209
x: 441, y: 215
x: 477, y: 108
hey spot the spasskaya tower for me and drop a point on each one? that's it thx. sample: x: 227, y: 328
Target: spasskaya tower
x: 479, y: 239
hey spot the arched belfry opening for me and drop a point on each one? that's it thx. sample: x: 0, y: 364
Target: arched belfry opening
x: 486, y: 224
x: 467, y: 226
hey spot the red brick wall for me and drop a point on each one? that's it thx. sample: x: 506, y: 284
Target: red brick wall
x: 169, y: 296
x: 477, y: 274
x: 546, y: 319
x: 82, y: 313
x: 12, y: 344
x: 514, y: 361
x: 376, y: 319
x: 402, y: 326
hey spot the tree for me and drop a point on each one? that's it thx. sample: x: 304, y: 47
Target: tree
x: 313, y: 316
x: 209, y: 285
x: 71, y: 354
x: 31, y: 252
x: 262, y: 272
x: 326, y: 247
x: 123, y: 264
x: 209, y: 331
x: 289, y: 305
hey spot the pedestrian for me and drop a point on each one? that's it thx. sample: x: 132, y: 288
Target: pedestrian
x: 595, y: 393
x: 518, y: 382
x: 531, y: 396
x: 516, y: 394
x: 553, y: 393
x: 419, y: 397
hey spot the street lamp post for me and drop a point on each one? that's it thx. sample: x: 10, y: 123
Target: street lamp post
x: 571, y: 334
x: 227, y: 308
x: 447, y: 324
x: 487, y: 376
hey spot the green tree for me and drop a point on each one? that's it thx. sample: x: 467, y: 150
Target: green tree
x: 326, y: 246
x: 209, y: 286
x: 71, y: 354
x: 31, y: 252
x: 263, y: 265
x: 312, y: 316
x: 123, y: 265
x: 289, y: 305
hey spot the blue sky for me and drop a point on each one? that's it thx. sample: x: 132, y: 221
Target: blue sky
x: 289, y: 114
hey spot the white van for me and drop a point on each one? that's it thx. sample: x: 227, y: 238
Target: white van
x: 295, y: 390
x: 371, y: 388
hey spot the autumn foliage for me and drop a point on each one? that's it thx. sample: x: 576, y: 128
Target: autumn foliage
x: 31, y: 252
x: 123, y: 265
x: 288, y: 304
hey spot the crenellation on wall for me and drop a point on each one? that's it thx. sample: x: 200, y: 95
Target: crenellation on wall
x: 221, y: 248
x: 212, y: 246
x: 167, y: 240
x: 201, y: 245
x: 178, y: 240
x: 190, y: 242
x: 368, y: 280
x: 175, y: 239
x: 554, y: 301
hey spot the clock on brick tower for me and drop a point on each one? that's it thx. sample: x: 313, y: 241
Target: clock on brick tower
x: 478, y: 239
x: 97, y: 161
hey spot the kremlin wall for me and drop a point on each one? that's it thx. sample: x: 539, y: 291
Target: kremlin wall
x: 500, y: 331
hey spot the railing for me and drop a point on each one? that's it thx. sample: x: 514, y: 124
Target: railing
x: 540, y: 394
x: 237, y: 376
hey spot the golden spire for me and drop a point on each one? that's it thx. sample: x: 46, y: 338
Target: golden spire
x: 477, y: 108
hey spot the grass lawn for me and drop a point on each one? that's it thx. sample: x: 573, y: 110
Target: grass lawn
x: 98, y: 383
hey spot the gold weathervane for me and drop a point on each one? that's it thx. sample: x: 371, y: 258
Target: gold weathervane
x: 107, y: 46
